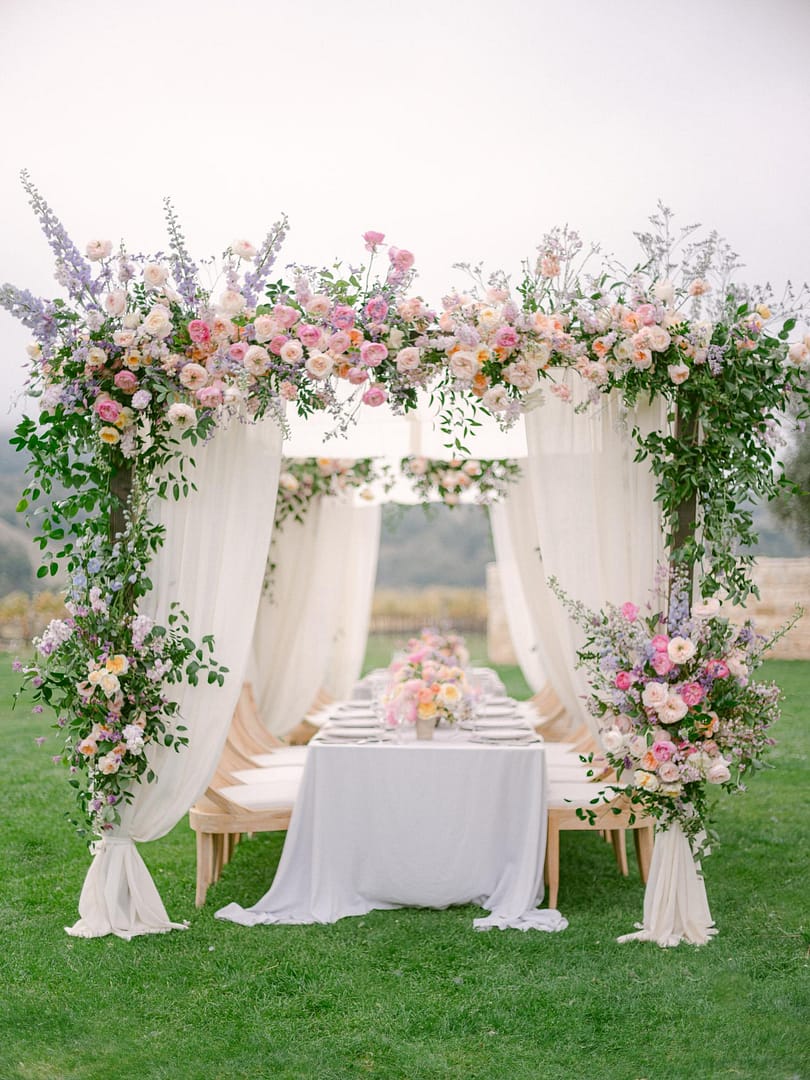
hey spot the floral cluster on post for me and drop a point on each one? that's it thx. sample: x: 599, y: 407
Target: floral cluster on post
x: 486, y: 478
x: 678, y: 708
x: 429, y: 681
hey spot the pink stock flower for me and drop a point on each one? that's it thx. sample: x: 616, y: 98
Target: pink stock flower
x: 126, y: 381
x: 624, y: 680
x: 372, y: 353
x: 107, y: 409
x: 373, y: 239
x: 630, y: 611
x: 402, y: 260
x: 199, y: 331
x: 692, y: 693
x: 343, y: 317
x: 376, y: 309
x: 375, y: 395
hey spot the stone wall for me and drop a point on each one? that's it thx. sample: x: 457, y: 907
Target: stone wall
x: 782, y: 584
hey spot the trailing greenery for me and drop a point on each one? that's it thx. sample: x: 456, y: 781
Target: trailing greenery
x: 407, y: 995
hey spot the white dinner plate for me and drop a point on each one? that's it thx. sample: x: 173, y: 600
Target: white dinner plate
x: 515, y: 735
x: 344, y: 732
x: 355, y: 722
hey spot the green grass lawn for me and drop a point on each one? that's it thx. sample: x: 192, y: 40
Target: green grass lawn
x: 406, y: 995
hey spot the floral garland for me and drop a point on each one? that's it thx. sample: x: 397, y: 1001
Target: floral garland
x: 303, y: 479
x: 676, y: 704
x: 486, y: 478
x: 142, y: 361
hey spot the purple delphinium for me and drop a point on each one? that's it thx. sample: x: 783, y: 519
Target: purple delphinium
x: 264, y: 260
x: 75, y: 271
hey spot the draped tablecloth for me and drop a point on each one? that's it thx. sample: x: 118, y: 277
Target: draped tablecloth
x: 388, y: 825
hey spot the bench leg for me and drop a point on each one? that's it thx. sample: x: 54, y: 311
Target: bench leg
x: 644, y: 840
x: 205, y: 866
x: 553, y: 863
x: 620, y: 850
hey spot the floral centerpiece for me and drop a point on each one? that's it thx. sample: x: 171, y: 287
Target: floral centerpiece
x: 486, y: 478
x: 679, y: 711
x: 428, y: 684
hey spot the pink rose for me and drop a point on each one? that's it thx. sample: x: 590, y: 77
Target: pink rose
x: 373, y: 239
x: 210, y: 396
x: 277, y: 343
x: 286, y: 315
x: 624, y: 680
x: 660, y: 643
x: 309, y: 335
x: 669, y: 772
x: 339, y: 342
x: 646, y: 314
x: 343, y: 317
x: 375, y: 395
x: 630, y: 611
x: 237, y: 351
x: 402, y: 260
x: 107, y: 409
x: 719, y: 773
x: 661, y: 664
x: 506, y: 337
x: 199, y: 332
x: 663, y: 749
x: 692, y: 693
x: 376, y: 309
x: 126, y: 381
x: 372, y: 353
x: 357, y: 375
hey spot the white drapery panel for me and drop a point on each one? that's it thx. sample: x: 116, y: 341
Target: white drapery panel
x: 676, y: 907
x: 526, y: 596
x: 358, y: 575
x: 213, y: 563
x: 598, y: 524
x: 311, y: 625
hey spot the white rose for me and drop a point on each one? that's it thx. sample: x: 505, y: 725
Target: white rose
x: 680, y: 650
x: 654, y: 694
x: 181, y: 415
x: 637, y: 746
x: 109, y: 684
x: 646, y: 780
x: 96, y: 358
x: 158, y: 323
x: 155, y: 275
x: 718, y: 772
x: 98, y: 249
x: 257, y: 360
x: 408, y: 360
x: 319, y: 365
x: 658, y: 339
x: 488, y: 318
x: 264, y: 327
x: 673, y: 709
x: 798, y: 353
x: 109, y: 763
x: 231, y: 302
x: 612, y: 740
x: 291, y: 352
x: 664, y: 291
x: 520, y: 375
x: 678, y: 373
x: 395, y: 339
x: 243, y: 249
x: 124, y: 338
x: 288, y: 482
x: 114, y: 302
x: 538, y: 355
x: 737, y: 666
x: 705, y: 609
x: 496, y: 399
x: 464, y: 365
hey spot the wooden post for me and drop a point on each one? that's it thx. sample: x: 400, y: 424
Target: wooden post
x: 687, y: 429
x: 120, y: 489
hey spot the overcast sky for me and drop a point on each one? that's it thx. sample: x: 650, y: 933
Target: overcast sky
x: 462, y: 130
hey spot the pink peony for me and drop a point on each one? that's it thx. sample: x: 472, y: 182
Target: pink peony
x: 199, y: 332
x: 624, y: 680
x: 375, y: 395
x: 237, y: 351
x: 343, y: 317
x: 661, y: 664
x: 309, y: 335
x: 376, y: 309
x: 107, y: 409
x: 506, y: 337
x: 372, y: 353
x: 660, y: 643
x: 373, y: 239
x: 402, y: 260
x: 630, y: 611
x: 646, y: 314
x: 692, y: 693
x: 126, y: 381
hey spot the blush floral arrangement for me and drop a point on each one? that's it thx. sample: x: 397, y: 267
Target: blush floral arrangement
x: 679, y: 710
x: 429, y: 682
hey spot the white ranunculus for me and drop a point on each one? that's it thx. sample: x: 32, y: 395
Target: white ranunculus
x: 181, y: 415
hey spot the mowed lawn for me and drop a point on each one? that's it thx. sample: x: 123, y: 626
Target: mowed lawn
x: 406, y: 995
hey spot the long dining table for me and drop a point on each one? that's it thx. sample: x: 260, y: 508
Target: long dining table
x: 384, y: 821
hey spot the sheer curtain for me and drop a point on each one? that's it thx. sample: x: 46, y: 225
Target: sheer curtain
x: 213, y: 563
x: 526, y: 596
x: 318, y: 606
x: 598, y: 525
